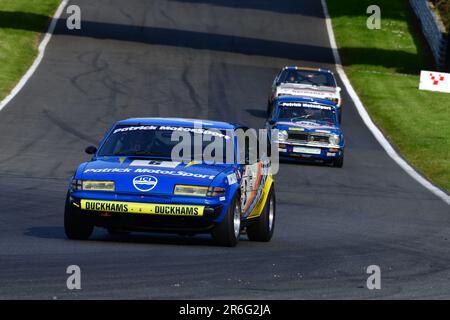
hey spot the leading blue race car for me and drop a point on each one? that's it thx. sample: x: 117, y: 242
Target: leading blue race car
x: 132, y: 183
x: 308, y: 129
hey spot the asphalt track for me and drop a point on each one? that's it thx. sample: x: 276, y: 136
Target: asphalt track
x: 210, y: 59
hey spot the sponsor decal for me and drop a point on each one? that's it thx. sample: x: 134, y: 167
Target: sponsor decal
x: 134, y: 128
x: 108, y: 170
x: 151, y: 171
x: 309, y: 124
x: 174, y: 173
x: 301, y: 92
x: 296, y: 129
x: 145, y: 183
x: 232, y: 179
x: 105, y: 206
x: 305, y: 105
x: 211, y: 132
x: 154, y: 163
x: 305, y: 124
x: 142, y: 208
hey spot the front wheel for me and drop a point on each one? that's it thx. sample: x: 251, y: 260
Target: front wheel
x: 339, y: 162
x: 227, y: 232
x: 262, y: 229
x: 76, y: 226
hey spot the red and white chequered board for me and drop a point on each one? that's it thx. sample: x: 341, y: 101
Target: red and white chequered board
x: 434, y: 81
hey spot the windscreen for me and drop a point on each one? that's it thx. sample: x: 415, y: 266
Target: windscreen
x: 160, y: 141
x: 324, y: 114
x: 310, y: 77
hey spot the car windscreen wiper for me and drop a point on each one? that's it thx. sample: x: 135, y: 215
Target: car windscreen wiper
x: 141, y: 154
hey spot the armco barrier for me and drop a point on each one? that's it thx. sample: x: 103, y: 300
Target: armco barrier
x: 433, y: 30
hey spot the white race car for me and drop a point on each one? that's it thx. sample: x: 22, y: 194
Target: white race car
x: 305, y: 82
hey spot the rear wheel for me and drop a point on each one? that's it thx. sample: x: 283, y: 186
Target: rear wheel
x: 228, y: 231
x: 76, y: 226
x: 262, y: 229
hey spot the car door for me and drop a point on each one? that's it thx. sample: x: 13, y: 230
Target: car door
x: 251, y: 178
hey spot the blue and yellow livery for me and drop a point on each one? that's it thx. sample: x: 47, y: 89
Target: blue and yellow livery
x: 134, y: 183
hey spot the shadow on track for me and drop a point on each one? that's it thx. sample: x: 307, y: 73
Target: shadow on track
x: 280, y: 6
x: 213, y: 42
x: 258, y: 113
x: 57, y: 232
x: 48, y: 232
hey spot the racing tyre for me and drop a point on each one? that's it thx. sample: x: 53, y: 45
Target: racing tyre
x: 227, y: 233
x: 262, y: 229
x: 76, y: 226
x: 339, y: 162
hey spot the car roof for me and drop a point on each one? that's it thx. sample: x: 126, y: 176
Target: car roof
x: 179, y: 122
x: 282, y: 99
x: 306, y: 68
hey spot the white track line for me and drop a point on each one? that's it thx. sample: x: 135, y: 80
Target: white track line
x: 368, y: 121
x: 38, y: 59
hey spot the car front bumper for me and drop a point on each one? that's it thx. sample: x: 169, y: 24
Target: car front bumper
x: 309, y: 151
x: 112, y: 211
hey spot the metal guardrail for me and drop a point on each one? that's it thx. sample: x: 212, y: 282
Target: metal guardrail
x: 433, y: 30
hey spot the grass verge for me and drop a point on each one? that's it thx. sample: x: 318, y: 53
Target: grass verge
x: 21, y: 24
x: 384, y: 67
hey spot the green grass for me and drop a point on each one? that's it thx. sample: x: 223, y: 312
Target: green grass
x: 384, y: 67
x: 21, y: 24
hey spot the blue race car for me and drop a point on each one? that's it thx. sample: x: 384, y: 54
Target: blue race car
x: 308, y: 128
x: 133, y: 183
x: 306, y: 82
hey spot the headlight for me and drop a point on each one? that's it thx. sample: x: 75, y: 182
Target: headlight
x: 282, y: 135
x: 198, y: 191
x: 334, y: 100
x: 93, y: 185
x: 190, y: 190
x: 334, y: 139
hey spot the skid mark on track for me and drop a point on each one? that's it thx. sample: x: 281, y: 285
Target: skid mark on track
x: 194, y: 96
x: 219, y: 92
x: 97, y: 64
x: 67, y: 128
x: 168, y: 17
x: 126, y: 15
x: 24, y: 148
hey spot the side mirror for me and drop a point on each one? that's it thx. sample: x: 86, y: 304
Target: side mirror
x: 272, y: 122
x: 90, y: 150
x: 338, y: 89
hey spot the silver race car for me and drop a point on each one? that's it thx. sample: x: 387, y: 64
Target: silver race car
x: 305, y: 82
